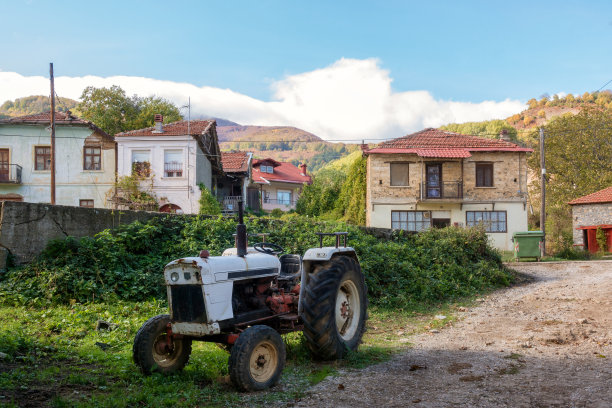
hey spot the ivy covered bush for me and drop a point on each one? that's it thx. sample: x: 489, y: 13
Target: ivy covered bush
x: 127, y: 263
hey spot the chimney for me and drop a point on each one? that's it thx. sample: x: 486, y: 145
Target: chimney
x: 159, y: 121
x: 303, y: 169
x: 503, y: 135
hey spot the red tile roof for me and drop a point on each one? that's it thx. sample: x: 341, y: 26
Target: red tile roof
x: 235, y: 162
x: 283, y: 172
x: 601, y: 196
x: 61, y: 118
x: 181, y: 128
x: 439, y: 143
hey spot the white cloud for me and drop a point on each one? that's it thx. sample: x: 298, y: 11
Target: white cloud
x: 348, y: 100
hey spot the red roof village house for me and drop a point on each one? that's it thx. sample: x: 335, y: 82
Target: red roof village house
x: 175, y: 158
x: 279, y: 183
x: 234, y: 185
x: 435, y: 178
x: 589, y: 213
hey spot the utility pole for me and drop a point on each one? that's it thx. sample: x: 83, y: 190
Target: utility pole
x: 543, y: 193
x: 52, y: 135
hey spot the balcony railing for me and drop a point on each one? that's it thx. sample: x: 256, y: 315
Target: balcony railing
x: 436, y: 191
x: 230, y: 203
x: 279, y: 202
x: 173, y: 169
x: 10, y: 173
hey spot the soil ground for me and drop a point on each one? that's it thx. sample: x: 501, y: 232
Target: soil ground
x: 544, y: 343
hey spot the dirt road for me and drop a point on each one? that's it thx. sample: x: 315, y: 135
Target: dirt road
x: 547, y: 343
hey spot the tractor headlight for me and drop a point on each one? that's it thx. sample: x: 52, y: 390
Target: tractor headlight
x: 174, y: 276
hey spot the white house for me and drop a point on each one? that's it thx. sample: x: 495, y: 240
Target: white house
x: 84, y: 157
x: 174, y: 158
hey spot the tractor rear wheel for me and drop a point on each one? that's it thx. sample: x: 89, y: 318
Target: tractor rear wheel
x: 154, y: 350
x: 257, y: 359
x: 335, y: 308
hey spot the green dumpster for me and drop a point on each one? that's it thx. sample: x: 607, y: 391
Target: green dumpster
x: 527, y: 244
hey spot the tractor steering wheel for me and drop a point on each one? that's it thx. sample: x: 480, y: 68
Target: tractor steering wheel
x: 268, y: 248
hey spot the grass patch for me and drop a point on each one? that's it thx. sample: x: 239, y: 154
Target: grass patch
x: 53, y: 359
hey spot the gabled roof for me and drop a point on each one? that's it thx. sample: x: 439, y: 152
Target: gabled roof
x: 235, y: 162
x: 283, y: 172
x: 61, y: 118
x: 181, y: 128
x: 432, y: 142
x: 601, y: 196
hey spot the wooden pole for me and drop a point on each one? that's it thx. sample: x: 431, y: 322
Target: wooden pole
x: 52, y: 135
x: 543, y: 193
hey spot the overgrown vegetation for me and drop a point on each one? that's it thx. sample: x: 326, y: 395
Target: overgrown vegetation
x: 134, y: 192
x: 337, y: 192
x: 208, y: 203
x: 127, y: 263
x: 578, y: 152
x: 489, y: 129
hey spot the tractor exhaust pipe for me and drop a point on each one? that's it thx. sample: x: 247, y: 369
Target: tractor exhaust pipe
x: 241, y: 232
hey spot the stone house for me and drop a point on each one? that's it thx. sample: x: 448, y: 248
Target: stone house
x: 85, y: 161
x: 435, y: 178
x: 279, y: 183
x: 589, y: 213
x: 174, y: 159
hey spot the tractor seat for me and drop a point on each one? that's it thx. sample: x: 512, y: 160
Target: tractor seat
x: 290, y: 266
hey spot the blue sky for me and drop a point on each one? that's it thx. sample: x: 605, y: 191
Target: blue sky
x: 468, y: 51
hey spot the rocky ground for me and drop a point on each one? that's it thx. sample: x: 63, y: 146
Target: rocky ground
x: 544, y: 343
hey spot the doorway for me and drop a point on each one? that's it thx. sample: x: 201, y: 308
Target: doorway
x: 434, y: 180
x: 4, y: 165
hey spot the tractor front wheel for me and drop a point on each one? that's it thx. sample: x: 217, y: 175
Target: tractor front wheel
x: 257, y: 359
x: 156, y: 350
x: 335, y: 308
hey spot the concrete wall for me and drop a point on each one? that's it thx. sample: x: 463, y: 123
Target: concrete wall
x: 26, y: 228
x: 584, y: 215
x: 72, y: 182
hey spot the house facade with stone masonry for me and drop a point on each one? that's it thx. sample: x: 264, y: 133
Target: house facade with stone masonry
x: 85, y: 160
x: 589, y: 213
x: 279, y: 183
x: 234, y: 185
x: 173, y: 159
x: 435, y: 178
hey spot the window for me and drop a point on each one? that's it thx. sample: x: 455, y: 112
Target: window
x: 484, y: 174
x: 266, y: 169
x: 42, y: 158
x: 493, y: 221
x: 92, y: 158
x: 173, y: 163
x: 283, y: 197
x: 141, y: 163
x: 399, y: 174
x: 411, y: 220
x: 86, y: 203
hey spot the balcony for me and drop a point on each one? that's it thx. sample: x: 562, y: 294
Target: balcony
x: 440, y: 191
x: 10, y: 173
x: 229, y: 204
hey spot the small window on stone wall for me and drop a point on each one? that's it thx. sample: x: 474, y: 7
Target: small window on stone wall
x: 399, y: 174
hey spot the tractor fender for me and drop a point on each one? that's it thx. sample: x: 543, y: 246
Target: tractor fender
x: 316, y: 256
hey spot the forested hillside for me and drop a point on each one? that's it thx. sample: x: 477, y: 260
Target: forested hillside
x: 30, y: 105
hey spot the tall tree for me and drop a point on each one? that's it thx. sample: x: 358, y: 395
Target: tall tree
x: 114, y: 112
x: 109, y: 108
x: 578, y: 153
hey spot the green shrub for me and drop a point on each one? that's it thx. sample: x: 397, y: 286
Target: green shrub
x: 128, y: 263
x: 208, y: 203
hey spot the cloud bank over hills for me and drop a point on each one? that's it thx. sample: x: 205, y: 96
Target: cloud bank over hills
x: 349, y: 100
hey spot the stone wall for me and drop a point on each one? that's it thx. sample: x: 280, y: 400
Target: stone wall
x: 26, y: 228
x: 589, y: 214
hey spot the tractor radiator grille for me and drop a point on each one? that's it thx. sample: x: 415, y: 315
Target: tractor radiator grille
x: 188, y: 303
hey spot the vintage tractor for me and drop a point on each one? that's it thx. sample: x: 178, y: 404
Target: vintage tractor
x: 244, y: 299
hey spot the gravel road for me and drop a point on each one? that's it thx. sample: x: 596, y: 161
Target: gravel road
x: 546, y: 343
